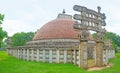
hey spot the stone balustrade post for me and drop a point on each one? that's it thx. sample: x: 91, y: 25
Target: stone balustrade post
x: 65, y: 56
x: 50, y: 56
x: 43, y: 55
x: 57, y: 56
x: 38, y: 55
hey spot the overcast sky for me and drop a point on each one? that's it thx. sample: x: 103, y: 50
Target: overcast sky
x: 30, y: 15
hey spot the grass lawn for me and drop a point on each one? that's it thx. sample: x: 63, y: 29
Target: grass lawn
x: 9, y: 64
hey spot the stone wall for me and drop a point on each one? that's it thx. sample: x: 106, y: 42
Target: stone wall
x: 2, y: 49
x: 60, y: 51
x: 54, y: 55
x: 51, y: 55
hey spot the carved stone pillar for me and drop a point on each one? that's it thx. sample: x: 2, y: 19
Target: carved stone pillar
x: 83, y: 37
x: 83, y: 54
x: 99, y: 53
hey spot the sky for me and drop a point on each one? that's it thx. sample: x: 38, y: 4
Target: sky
x: 31, y: 15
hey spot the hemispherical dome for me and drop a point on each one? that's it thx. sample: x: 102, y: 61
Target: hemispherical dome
x: 57, y: 29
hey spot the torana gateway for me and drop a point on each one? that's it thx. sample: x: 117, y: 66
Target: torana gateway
x: 67, y: 39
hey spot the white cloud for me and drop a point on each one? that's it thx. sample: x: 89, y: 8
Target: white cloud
x: 114, y: 28
x: 14, y: 26
x: 25, y: 16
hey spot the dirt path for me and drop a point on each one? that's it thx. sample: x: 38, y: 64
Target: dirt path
x: 99, y: 68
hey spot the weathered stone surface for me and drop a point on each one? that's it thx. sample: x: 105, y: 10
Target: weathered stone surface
x: 90, y: 20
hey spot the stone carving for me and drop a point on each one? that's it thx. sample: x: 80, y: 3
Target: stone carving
x: 90, y: 20
x: 83, y: 35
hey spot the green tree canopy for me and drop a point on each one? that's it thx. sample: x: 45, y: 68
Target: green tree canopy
x: 115, y: 39
x: 20, y: 39
x: 112, y: 36
x: 1, y: 18
x: 3, y: 33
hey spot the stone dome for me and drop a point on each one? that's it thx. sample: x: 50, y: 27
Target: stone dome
x: 61, y: 28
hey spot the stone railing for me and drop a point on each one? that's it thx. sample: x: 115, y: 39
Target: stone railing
x: 51, y: 55
x: 55, y: 55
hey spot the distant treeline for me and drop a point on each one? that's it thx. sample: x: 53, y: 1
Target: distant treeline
x: 115, y: 38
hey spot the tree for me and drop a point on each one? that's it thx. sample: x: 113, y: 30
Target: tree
x: 115, y: 39
x: 112, y: 36
x: 3, y: 33
x: 20, y: 39
x: 1, y: 18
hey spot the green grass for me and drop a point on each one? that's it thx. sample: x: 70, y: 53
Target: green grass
x: 9, y: 64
